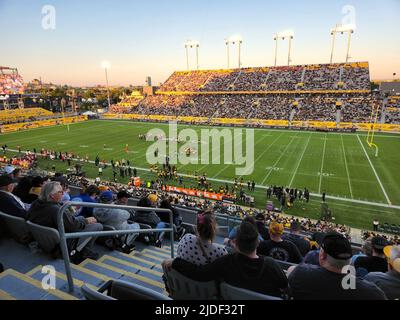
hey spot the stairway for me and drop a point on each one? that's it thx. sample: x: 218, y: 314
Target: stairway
x: 338, y: 117
x: 140, y: 267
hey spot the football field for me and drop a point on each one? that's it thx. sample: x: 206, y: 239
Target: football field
x: 358, y: 185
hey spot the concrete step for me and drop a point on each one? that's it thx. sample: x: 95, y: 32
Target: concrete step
x: 131, y: 267
x: 62, y: 282
x: 156, y: 253
x: 148, y: 256
x: 137, y: 277
x: 142, y: 261
x: 23, y: 287
x: 5, y: 296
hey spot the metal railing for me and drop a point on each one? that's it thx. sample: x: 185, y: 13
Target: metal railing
x: 64, y: 236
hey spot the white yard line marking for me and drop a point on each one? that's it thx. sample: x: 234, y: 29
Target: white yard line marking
x: 347, y: 168
x: 255, y: 161
x: 322, y: 166
x: 376, y: 174
x: 277, y: 161
x: 301, y: 158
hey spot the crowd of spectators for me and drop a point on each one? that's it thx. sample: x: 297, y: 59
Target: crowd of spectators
x: 22, y: 115
x: 353, y: 108
x: 353, y: 76
x: 317, y: 272
x: 251, y: 258
x: 11, y: 84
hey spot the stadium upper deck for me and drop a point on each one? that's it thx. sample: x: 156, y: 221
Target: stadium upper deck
x: 316, y: 77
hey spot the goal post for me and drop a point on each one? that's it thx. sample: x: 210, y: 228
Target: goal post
x: 372, y: 129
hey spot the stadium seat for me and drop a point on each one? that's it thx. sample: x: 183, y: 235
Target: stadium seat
x: 47, y: 238
x: 189, y: 217
x: 133, y: 202
x: 183, y: 288
x: 16, y: 227
x: 229, y: 292
x: 121, y: 290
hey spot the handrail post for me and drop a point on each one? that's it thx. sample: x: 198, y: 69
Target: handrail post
x: 63, y: 236
x: 171, y: 222
x: 64, y: 248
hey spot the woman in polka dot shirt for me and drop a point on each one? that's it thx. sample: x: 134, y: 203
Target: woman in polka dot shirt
x: 199, y: 249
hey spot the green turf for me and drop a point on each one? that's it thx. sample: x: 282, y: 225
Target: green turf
x: 282, y: 157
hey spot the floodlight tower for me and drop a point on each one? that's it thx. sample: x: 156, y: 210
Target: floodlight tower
x: 281, y: 36
x: 276, y: 47
x: 235, y: 40
x: 190, y: 44
x: 342, y: 29
x: 227, y: 51
x: 290, y: 48
x: 106, y: 65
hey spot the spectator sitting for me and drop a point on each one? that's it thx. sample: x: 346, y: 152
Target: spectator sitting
x: 122, y: 200
x: 22, y: 189
x: 150, y: 217
x: 302, y: 244
x: 366, y: 251
x: 64, y: 183
x: 177, y: 219
x: 262, y: 229
x: 199, y: 249
x: 116, y: 218
x: 44, y: 211
x: 278, y: 248
x: 37, y: 183
x: 229, y: 243
x: 244, y: 268
x: 377, y: 261
x: 389, y: 282
x: 88, y: 196
x: 9, y: 203
x: 325, y: 282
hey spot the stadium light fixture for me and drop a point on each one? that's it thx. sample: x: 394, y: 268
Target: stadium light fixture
x: 192, y: 44
x: 106, y: 65
x: 235, y: 40
x: 342, y: 29
x: 287, y: 34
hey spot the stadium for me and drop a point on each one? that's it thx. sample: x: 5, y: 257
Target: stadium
x: 245, y: 183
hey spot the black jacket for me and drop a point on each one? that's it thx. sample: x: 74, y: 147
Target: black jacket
x: 262, y: 275
x: 10, y: 206
x: 45, y: 214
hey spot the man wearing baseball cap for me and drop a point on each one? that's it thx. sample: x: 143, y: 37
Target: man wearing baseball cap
x: 329, y: 281
x: 10, y: 203
x: 277, y: 248
x: 389, y: 282
x: 376, y: 262
x: 302, y: 244
x: 117, y: 218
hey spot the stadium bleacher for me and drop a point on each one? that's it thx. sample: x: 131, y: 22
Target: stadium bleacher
x: 330, y: 95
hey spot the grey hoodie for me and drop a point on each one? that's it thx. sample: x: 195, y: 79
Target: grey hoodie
x: 116, y: 218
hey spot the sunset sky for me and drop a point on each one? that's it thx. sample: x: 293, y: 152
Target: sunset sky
x: 146, y: 38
